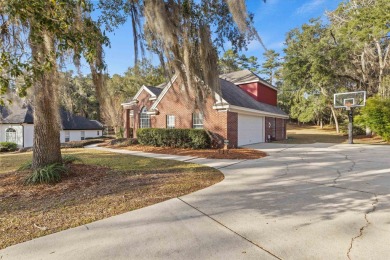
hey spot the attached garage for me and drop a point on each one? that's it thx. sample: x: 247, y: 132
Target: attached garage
x: 250, y: 129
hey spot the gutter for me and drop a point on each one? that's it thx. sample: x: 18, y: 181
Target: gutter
x: 243, y: 110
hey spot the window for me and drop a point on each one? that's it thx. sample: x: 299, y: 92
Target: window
x: 197, y: 120
x: 144, y: 119
x: 98, y: 132
x: 67, y: 136
x: 83, y: 135
x: 170, y: 121
x: 10, y: 135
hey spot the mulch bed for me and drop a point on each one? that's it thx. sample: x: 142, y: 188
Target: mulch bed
x: 238, y: 153
x: 87, y: 194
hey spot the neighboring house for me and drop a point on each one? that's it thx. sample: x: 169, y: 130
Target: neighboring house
x: 17, y: 125
x: 244, y: 112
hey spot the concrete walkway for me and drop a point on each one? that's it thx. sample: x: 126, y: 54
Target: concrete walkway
x: 318, y: 201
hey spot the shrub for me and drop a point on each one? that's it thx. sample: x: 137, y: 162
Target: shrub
x: 183, y: 138
x: 8, y: 147
x: 49, y: 174
x: 66, y: 159
x: 357, y: 128
x: 25, y: 166
x: 376, y: 115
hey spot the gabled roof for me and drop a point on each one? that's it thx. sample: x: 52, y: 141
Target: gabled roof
x: 230, y: 94
x: 16, y: 115
x: 153, y: 91
x: 245, y: 76
x: 72, y: 122
x: 157, y: 89
x: 24, y: 115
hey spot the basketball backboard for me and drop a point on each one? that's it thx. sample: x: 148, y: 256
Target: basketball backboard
x: 350, y: 99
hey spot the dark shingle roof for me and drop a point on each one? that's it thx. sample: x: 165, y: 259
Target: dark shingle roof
x: 156, y: 90
x: 243, y: 76
x: 73, y: 122
x: 16, y: 114
x: 20, y: 115
x: 235, y: 96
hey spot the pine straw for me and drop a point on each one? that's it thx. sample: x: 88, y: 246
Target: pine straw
x: 91, y: 193
x: 239, y: 153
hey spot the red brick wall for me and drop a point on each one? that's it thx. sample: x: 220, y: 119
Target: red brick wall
x: 232, y: 129
x: 175, y: 103
x: 143, y: 99
x: 276, y: 128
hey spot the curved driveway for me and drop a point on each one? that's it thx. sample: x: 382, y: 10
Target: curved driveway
x: 317, y: 201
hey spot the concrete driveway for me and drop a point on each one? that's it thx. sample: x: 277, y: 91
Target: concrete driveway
x: 318, y: 201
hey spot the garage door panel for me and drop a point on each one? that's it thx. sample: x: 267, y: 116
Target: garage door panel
x: 250, y: 129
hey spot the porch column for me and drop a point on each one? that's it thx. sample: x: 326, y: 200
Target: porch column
x: 127, y: 123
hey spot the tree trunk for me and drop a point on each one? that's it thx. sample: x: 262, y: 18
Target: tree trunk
x: 47, y: 147
x: 335, y: 119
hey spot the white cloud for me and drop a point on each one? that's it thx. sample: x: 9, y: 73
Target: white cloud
x: 309, y: 6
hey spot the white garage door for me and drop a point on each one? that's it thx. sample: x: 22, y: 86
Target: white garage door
x: 250, y: 129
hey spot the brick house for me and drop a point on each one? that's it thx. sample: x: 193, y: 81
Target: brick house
x: 244, y: 112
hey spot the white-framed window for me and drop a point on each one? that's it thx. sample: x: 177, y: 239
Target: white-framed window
x: 170, y: 121
x: 144, y: 119
x: 98, y: 132
x: 197, y: 120
x: 67, y: 136
x: 83, y: 135
x: 10, y: 135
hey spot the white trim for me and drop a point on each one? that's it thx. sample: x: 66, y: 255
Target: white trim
x: 152, y: 113
x: 165, y: 90
x: 259, y: 80
x: 249, y: 111
x: 135, y: 101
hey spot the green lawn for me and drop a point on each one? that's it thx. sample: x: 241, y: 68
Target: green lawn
x: 105, y: 184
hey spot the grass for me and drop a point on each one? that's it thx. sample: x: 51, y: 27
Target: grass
x: 105, y: 184
x: 307, y: 134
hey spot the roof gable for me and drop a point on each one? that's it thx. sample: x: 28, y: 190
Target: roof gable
x: 231, y: 94
x: 154, y: 92
x: 235, y: 96
x: 245, y: 76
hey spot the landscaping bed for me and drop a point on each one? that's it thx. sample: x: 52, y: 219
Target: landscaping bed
x: 105, y: 184
x: 238, y: 153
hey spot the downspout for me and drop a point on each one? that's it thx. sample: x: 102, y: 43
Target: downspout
x: 22, y: 135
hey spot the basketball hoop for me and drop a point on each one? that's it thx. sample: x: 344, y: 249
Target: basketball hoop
x: 349, y: 100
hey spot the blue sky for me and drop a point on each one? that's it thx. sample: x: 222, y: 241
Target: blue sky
x: 273, y: 20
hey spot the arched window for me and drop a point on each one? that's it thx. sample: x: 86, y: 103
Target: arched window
x: 144, y: 119
x: 10, y: 135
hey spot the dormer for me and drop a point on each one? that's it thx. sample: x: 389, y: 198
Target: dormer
x: 255, y: 86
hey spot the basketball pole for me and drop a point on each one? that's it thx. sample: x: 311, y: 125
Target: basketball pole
x: 350, y: 125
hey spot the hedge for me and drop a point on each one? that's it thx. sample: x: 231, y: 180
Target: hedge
x: 376, y: 115
x: 8, y: 147
x: 182, y: 138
